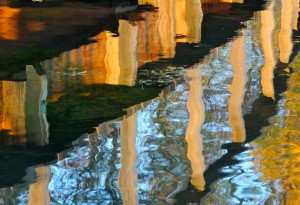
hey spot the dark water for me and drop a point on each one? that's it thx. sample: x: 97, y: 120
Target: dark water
x: 180, y: 102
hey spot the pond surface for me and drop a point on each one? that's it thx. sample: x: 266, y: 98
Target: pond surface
x: 156, y: 102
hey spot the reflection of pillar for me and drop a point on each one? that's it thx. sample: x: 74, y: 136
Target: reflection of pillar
x: 295, y: 14
x: 188, y: 20
x: 166, y: 26
x: 267, y: 21
x: 196, y: 110
x: 13, y: 94
x: 35, y: 107
x: 127, y: 175
x: 237, y: 89
x: 120, y: 59
x: 8, y: 23
x: 38, y: 191
x: 285, y: 34
x: 233, y: 1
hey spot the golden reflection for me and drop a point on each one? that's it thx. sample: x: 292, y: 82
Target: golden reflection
x: 188, y: 20
x: 196, y: 110
x: 8, y: 23
x: 267, y: 27
x: 128, y: 177
x: 165, y: 26
x: 285, y: 34
x: 295, y: 15
x: 35, y: 107
x: 237, y: 89
x: 13, y: 110
x: 233, y: 1
x: 38, y: 191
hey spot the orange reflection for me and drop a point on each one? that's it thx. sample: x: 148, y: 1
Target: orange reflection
x: 233, y: 1
x: 285, y: 34
x: 128, y: 177
x: 34, y: 26
x: 267, y: 27
x: 196, y: 110
x: 237, y: 89
x: 13, y: 111
x: 188, y: 20
x: 8, y: 23
x: 38, y: 191
x: 165, y: 26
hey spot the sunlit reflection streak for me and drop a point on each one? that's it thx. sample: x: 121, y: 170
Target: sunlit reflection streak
x: 166, y: 26
x: 189, y: 17
x: 38, y: 191
x: 37, y: 126
x: 127, y: 176
x: 267, y: 27
x: 237, y: 89
x: 196, y: 109
x: 285, y: 34
x: 233, y: 1
x: 8, y: 23
x: 13, y: 109
x: 296, y: 5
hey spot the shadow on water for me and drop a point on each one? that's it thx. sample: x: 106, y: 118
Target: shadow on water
x: 186, y: 54
x: 262, y: 110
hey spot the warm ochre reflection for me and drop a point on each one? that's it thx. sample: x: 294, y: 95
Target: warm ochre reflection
x: 35, y: 105
x: 285, y: 34
x: 267, y: 27
x: 8, y: 23
x: 194, y: 140
x: 38, y: 191
x: 13, y: 109
x: 128, y: 177
x: 295, y: 15
x: 188, y: 21
x: 233, y: 1
x: 237, y: 89
x: 165, y: 26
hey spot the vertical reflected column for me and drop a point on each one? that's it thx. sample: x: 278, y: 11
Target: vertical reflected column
x: 189, y: 17
x: 38, y: 191
x: 267, y: 27
x: 295, y: 14
x: 128, y: 175
x: 237, y: 89
x: 35, y: 107
x: 13, y: 110
x: 196, y: 110
x: 120, y: 59
x: 285, y: 34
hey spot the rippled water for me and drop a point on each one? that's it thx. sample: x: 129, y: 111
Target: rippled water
x: 165, y: 150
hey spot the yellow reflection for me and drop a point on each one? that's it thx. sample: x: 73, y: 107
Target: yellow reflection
x: 188, y: 20
x: 8, y: 23
x: 148, y: 48
x: 165, y: 26
x: 285, y: 34
x: 128, y: 176
x: 267, y: 27
x: 196, y: 110
x: 296, y: 4
x: 38, y: 191
x: 13, y: 111
x: 35, y: 107
x: 237, y: 89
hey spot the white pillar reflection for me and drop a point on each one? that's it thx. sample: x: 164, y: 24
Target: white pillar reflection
x: 196, y: 110
x: 35, y: 107
x: 267, y: 27
x: 237, y: 89
x: 128, y: 177
x: 38, y: 191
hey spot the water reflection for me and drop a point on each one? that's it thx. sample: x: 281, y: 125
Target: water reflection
x: 8, y: 23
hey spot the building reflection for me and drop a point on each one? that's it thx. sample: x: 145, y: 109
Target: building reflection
x: 38, y: 191
x: 193, y: 137
x: 24, y: 109
x: 237, y: 88
x: 8, y: 23
x: 267, y: 27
